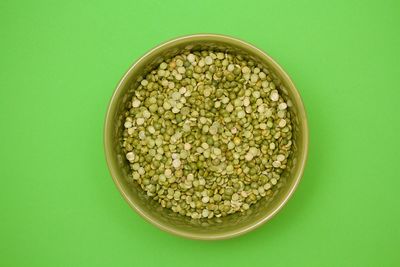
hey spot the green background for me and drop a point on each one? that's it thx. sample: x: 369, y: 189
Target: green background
x: 60, y: 62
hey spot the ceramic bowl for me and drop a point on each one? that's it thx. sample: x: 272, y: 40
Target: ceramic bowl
x: 215, y: 228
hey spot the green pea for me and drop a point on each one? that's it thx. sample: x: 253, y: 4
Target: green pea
x: 153, y: 108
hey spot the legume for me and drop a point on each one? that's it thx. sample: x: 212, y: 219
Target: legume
x: 207, y: 134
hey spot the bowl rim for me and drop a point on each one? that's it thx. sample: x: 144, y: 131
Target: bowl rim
x: 204, y: 236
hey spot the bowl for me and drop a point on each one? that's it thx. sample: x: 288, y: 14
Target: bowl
x: 165, y: 219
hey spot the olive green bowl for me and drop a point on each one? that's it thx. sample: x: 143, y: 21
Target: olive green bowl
x: 215, y: 228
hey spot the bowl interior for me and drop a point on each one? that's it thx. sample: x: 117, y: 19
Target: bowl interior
x: 215, y: 228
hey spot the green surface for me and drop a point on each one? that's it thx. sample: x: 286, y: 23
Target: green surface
x: 60, y: 62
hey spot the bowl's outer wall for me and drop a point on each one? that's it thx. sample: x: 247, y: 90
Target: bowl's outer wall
x: 165, y: 219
